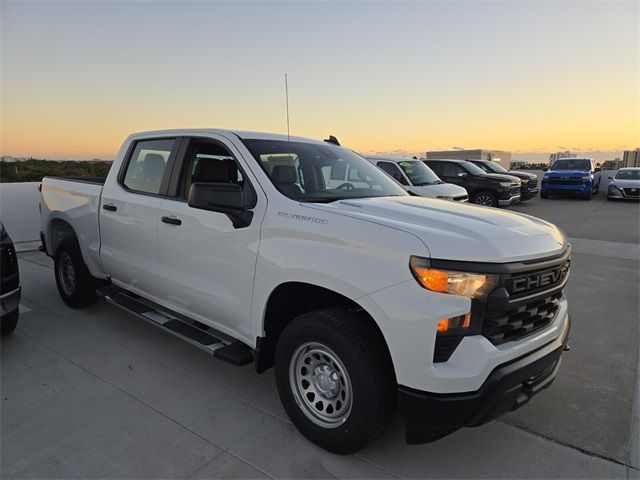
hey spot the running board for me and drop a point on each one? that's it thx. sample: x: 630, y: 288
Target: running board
x: 235, y: 353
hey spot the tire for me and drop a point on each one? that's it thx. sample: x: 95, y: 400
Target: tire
x: 587, y: 196
x: 485, y: 198
x: 346, y: 348
x: 544, y: 195
x: 9, y: 322
x: 76, y: 286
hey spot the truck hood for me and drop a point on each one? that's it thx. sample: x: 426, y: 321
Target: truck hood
x: 458, y: 231
x: 527, y: 175
x: 502, y: 177
x: 567, y: 173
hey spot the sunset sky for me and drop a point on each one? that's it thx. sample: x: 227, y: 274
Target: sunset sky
x: 530, y: 77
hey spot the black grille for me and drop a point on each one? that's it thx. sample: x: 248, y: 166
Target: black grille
x: 628, y: 192
x: 565, y: 181
x: 522, y: 321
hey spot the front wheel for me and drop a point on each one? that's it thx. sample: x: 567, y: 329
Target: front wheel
x: 588, y: 195
x: 544, y: 195
x: 76, y: 286
x: 486, y: 198
x: 335, y: 379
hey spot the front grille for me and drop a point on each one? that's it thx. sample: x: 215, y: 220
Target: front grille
x: 630, y: 193
x: 522, y: 321
x: 565, y: 181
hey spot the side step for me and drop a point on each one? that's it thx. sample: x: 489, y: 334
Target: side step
x: 235, y: 353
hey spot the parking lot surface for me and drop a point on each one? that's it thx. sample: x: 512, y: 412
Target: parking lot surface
x: 98, y: 393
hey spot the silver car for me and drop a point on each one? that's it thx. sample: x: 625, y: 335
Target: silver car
x: 625, y: 184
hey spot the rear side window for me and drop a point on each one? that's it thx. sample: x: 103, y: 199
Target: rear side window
x: 436, y: 167
x: 147, y: 164
x: 451, y: 170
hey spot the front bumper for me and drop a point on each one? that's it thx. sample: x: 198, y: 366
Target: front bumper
x: 505, y: 202
x: 529, y: 194
x: 9, y: 302
x: 620, y: 194
x: 582, y: 188
x: 429, y: 416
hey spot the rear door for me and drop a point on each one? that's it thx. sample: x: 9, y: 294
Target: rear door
x: 451, y: 173
x: 129, y: 215
x: 205, y: 264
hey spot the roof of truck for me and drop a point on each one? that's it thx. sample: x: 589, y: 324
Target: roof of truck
x: 242, y: 134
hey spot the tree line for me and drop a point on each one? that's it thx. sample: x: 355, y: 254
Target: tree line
x: 32, y: 170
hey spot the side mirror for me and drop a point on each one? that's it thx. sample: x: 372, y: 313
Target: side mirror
x: 226, y: 198
x: 598, y: 169
x: 545, y: 169
x: 610, y: 178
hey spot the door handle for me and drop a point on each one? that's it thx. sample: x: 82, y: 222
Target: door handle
x: 171, y: 220
x: 108, y: 206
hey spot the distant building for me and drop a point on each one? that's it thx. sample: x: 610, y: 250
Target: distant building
x: 515, y: 164
x: 631, y: 158
x: 558, y: 155
x: 498, y: 156
x: 612, y: 164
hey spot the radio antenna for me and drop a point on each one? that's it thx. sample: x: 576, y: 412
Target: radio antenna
x: 286, y: 94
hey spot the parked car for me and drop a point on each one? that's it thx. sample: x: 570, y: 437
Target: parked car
x: 417, y: 178
x: 362, y: 297
x: 579, y: 176
x: 528, y: 181
x: 490, y: 189
x: 625, y: 184
x: 9, y: 284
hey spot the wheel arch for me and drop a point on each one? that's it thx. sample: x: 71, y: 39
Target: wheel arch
x: 290, y: 300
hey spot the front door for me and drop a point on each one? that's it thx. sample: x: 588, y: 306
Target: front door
x: 204, y: 263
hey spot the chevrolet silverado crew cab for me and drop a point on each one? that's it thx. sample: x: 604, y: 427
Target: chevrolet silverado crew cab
x: 489, y: 189
x: 529, y: 181
x: 417, y: 178
x: 363, y: 298
x: 579, y: 176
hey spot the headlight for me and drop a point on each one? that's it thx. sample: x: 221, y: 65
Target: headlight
x: 505, y: 184
x: 546, y: 175
x: 466, y: 284
x: 586, y: 178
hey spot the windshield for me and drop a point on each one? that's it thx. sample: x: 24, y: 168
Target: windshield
x: 419, y: 173
x: 628, y: 175
x: 491, y: 167
x: 310, y: 172
x: 566, y: 164
x: 471, y: 168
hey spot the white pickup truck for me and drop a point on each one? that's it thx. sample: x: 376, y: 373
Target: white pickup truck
x: 363, y: 298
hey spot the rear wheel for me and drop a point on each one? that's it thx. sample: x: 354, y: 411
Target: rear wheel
x: 75, y: 284
x: 9, y: 322
x: 335, y: 379
x: 485, y: 198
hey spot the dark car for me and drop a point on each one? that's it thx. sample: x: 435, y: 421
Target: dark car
x: 9, y: 285
x: 490, y: 189
x: 529, y: 181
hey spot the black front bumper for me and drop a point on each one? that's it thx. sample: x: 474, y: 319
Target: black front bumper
x: 429, y: 416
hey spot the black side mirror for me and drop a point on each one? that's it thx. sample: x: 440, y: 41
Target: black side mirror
x: 226, y: 198
x: 610, y: 178
x: 545, y: 169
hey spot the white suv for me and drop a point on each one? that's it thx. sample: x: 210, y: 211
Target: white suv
x: 418, y: 178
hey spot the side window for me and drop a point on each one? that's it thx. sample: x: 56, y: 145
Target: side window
x: 146, y: 165
x: 451, y: 170
x: 208, y: 162
x: 436, y: 167
x: 393, y: 170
